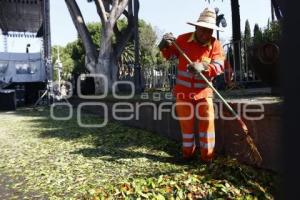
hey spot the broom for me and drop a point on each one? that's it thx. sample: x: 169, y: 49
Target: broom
x: 254, y: 153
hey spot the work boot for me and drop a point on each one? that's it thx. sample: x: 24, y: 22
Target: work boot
x: 206, y: 161
x: 188, y: 153
x: 183, y: 160
x: 186, y: 156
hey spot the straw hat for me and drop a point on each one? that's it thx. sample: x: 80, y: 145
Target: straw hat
x: 207, y: 19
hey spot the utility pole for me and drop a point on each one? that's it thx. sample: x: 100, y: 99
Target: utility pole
x: 236, y: 33
x: 272, y: 11
x: 47, y: 47
x: 217, y: 21
x: 137, y: 66
x: 47, y: 53
x: 59, y: 69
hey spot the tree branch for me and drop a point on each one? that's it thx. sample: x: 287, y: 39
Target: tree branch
x: 127, y: 15
x: 121, y: 8
x: 118, y: 6
x: 117, y: 31
x: 114, y: 9
x: 277, y: 9
x: 101, y: 11
x: 83, y: 32
x: 123, y: 39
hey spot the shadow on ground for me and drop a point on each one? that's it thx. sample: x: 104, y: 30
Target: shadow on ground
x: 116, y: 142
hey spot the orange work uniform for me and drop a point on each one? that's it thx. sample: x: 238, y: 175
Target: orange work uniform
x: 193, y: 96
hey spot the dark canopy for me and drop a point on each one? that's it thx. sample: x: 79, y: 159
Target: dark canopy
x: 21, y: 15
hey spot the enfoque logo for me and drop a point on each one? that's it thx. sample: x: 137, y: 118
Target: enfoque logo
x: 134, y: 110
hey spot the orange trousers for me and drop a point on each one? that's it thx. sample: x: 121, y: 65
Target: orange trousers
x: 201, y: 112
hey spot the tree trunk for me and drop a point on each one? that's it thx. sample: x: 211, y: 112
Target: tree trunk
x: 105, y: 63
x: 107, y: 60
x: 236, y: 33
x: 82, y: 30
x: 107, y: 66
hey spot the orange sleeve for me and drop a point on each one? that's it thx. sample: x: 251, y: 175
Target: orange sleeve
x: 216, y: 66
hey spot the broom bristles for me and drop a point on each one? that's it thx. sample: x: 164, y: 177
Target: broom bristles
x: 257, y: 159
x: 254, y: 152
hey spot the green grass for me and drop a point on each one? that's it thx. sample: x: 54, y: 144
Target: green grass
x: 60, y: 160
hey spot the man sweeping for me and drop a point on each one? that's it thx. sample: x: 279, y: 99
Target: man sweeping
x: 193, y: 96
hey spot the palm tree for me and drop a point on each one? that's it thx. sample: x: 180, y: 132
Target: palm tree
x: 126, y: 61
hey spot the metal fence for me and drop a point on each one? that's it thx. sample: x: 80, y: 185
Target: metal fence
x: 163, y: 79
x: 242, y: 74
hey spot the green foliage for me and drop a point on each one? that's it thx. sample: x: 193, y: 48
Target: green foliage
x: 95, y: 30
x: 161, y: 63
x: 66, y: 60
x: 257, y: 34
x: 128, y: 54
x: 78, y: 55
x: 147, y: 43
x: 148, y: 36
x: 149, y: 55
x: 60, y: 160
x: 78, y: 52
x: 225, y: 179
x: 273, y: 32
x: 72, y: 55
x: 247, y: 33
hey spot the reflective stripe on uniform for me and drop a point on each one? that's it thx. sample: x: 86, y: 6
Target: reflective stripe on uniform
x: 220, y: 62
x: 184, y: 74
x: 187, y: 136
x: 207, y: 145
x: 184, y: 83
x: 200, y: 85
x: 188, y: 75
x: 218, y: 65
x: 188, y: 84
x: 198, y: 78
x: 188, y: 144
x: 206, y: 135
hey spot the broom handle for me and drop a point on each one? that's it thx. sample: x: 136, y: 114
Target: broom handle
x: 214, y: 89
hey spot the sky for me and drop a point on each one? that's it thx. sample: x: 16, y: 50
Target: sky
x: 163, y: 15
